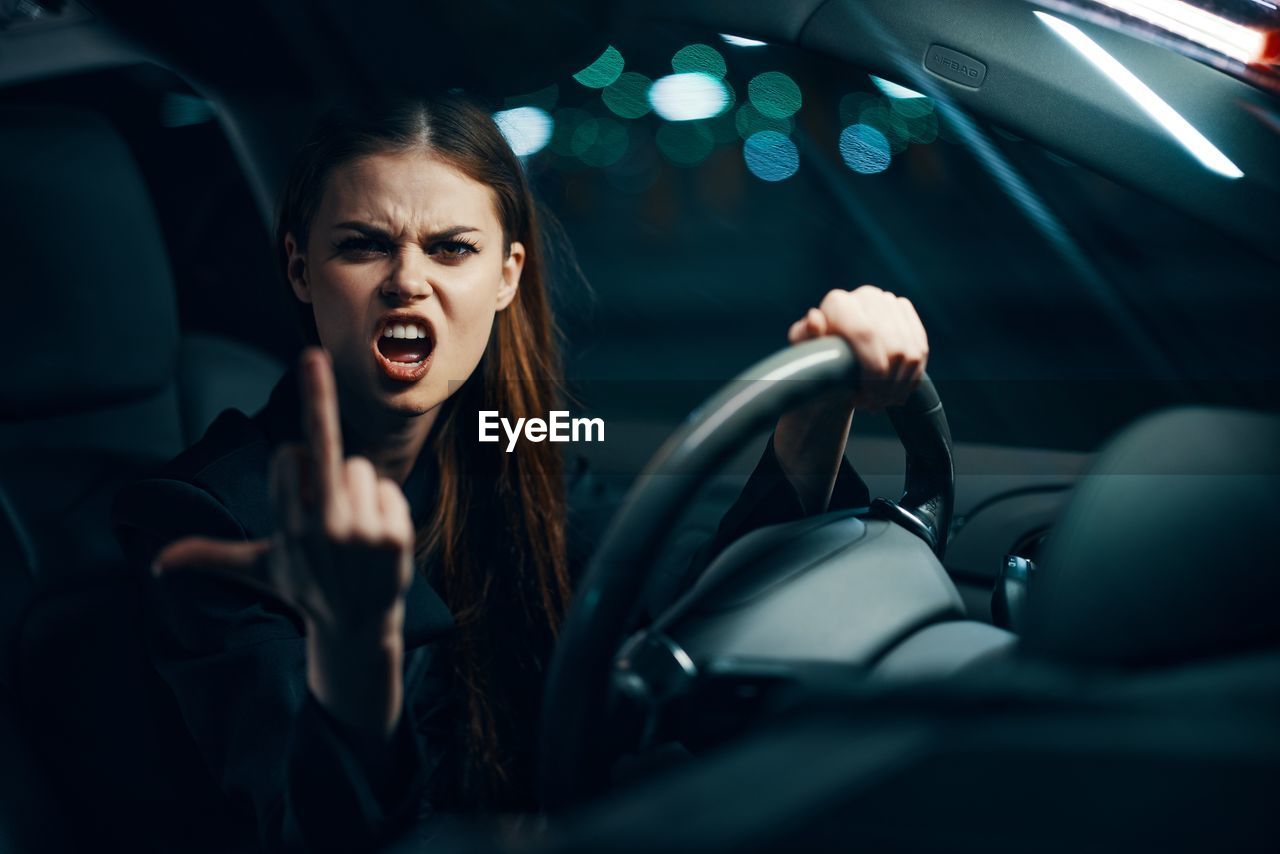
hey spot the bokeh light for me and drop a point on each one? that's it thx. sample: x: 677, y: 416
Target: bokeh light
x: 889, y: 123
x: 774, y: 94
x: 923, y: 129
x: 606, y: 69
x: 771, y: 156
x: 689, y: 96
x: 901, y: 120
x: 526, y: 129
x: 864, y: 149
x: 628, y: 96
x: 723, y: 127
x: 852, y: 105
x: 748, y: 120
x: 911, y: 108
x: 893, y: 90
x: 600, y: 142
x: 740, y: 41
x: 567, y: 121
x: 685, y: 143
x: 699, y: 58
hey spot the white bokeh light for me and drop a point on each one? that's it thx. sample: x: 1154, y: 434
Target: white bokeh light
x: 689, y: 96
x: 894, y: 90
x: 527, y: 129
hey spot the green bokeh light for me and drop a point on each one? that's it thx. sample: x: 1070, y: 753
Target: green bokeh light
x: 748, y: 121
x: 628, y: 96
x: 727, y: 112
x: 567, y: 120
x: 600, y: 142
x: 602, y: 72
x: 774, y: 94
x: 723, y: 127
x: 852, y: 105
x: 699, y: 57
x: 923, y: 129
x: 900, y: 120
x: 685, y: 143
x: 911, y: 108
x: 893, y: 126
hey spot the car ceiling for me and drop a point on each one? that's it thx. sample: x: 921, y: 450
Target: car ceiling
x: 264, y: 65
x: 1038, y: 88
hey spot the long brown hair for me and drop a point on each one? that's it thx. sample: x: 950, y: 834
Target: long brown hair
x: 496, y: 540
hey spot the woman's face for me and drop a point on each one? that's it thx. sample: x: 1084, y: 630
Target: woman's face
x: 404, y: 244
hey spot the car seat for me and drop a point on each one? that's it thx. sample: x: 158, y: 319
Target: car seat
x: 100, y: 387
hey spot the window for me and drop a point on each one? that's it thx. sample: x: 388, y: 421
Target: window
x: 700, y: 247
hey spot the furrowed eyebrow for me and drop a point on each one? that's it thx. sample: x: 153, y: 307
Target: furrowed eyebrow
x: 371, y: 230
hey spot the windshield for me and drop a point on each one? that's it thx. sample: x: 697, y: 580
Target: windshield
x: 1059, y: 303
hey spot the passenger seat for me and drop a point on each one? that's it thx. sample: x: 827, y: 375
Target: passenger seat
x: 99, y: 384
x: 99, y: 388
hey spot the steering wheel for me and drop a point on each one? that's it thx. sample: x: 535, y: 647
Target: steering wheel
x: 575, y: 744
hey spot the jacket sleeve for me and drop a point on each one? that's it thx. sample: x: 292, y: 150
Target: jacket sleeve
x: 235, y: 663
x: 769, y: 498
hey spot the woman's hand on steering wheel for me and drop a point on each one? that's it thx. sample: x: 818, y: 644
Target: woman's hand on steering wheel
x: 886, y: 335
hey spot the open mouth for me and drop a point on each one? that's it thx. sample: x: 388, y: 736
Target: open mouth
x: 404, y: 349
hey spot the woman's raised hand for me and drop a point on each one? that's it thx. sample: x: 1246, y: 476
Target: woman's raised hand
x: 886, y: 336
x: 342, y: 553
x: 341, y: 557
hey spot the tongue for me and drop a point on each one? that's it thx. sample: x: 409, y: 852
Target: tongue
x: 405, y: 349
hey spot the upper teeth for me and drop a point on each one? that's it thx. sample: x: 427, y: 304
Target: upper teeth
x: 404, y: 330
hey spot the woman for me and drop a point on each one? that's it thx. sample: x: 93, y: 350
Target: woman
x: 397, y: 584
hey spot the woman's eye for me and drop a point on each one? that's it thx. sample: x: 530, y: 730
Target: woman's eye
x: 452, y: 249
x: 361, y: 246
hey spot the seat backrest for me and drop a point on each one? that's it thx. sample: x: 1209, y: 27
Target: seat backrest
x: 99, y: 388
x: 99, y: 385
x: 90, y: 330
x: 1166, y: 550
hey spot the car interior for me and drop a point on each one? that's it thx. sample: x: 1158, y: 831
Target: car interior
x: 1056, y: 626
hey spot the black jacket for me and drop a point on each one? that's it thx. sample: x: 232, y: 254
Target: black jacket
x: 234, y: 659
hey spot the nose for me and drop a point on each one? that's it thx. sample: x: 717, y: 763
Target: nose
x: 409, y: 277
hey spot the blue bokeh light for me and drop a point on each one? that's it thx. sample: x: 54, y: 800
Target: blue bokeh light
x: 771, y: 156
x: 864, y: 149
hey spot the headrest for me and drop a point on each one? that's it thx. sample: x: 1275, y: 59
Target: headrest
x: 1167, y: 550
x: 89, y: 315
